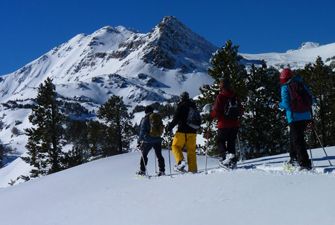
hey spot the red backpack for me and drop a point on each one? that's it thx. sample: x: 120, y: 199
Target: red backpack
x: 300, y: 98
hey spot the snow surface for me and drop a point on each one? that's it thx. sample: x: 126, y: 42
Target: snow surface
x: 107, y: 192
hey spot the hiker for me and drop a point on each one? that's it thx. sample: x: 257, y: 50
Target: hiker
x: 296, y: 100
x: 151, y: 129
x: 227, y: 110
x: 185, y: 135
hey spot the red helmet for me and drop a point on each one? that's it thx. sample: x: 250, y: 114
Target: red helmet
x: 285, y: 75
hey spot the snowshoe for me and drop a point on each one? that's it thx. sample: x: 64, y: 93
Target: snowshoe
x: 293, y: 162
x: 290, y: 168
x: 305, y: 168
x: 140, y: 173
x: 180, y: 167
x: 161, y: 173
x: 229, y: 162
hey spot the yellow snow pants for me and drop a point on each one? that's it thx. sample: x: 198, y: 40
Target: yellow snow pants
x: 187, y: 140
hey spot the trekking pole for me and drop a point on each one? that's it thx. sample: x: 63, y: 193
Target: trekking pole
x: 155, y: 163
x: 170, y: 136
x: 323, y: 148
x: 207, y: 147
x: 142, y: 157
x: 310, y: 150
x: 207, y: 109
x: 206, y: 154
x: 239, y: 147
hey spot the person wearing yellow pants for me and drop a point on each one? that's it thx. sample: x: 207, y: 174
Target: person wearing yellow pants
x: 187, y: 140
x: 185, y: 136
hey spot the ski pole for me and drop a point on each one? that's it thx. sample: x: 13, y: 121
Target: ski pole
x: 142, y: 156
x: 170, y: 134
x: 323, y: 148
x: 309, y: 148
x: 310, y: 152
x: 155, y: 163
x: 206, y: 152
x: 239, y: 147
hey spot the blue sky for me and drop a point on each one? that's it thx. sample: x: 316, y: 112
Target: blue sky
x: 29, y: 28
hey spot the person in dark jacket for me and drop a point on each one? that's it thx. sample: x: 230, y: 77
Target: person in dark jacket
x: 185, y: 135
x: 227, y: 127
x: 146, y: 142
x: 297, y: 121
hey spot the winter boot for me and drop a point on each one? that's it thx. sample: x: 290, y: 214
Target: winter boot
x: 293, y: 162
x: 229, y: 162
x: 160, y: 173
x: 307, y: 165
x: 180, y: 167
x: 140, y: 173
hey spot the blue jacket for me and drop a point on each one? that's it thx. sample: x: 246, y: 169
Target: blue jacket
x: 285, y: 103
x: 144, y: 135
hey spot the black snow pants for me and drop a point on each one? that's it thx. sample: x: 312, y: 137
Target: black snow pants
x: 145, y: 148
x: 226, y: 141
x: 298, y: 149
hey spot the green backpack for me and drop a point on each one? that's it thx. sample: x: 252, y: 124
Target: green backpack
x: 156, y: 125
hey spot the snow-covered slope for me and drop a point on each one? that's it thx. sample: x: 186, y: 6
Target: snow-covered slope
x: 307, y: 53
x: 107, y: 192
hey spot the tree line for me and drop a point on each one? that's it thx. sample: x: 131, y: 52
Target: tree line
x: 263, y: 127
x: 89, y: 139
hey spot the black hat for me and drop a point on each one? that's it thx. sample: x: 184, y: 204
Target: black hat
x: 148, y: 109
x: 184, y: 96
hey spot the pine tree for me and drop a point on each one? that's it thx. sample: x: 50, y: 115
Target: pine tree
x: 44, y: 138
x: 76, y: 133
x: 321, y: 80
x: 225, y: 63
x: 263, y: 128
x: 97, y: 138
x: 119, y: 129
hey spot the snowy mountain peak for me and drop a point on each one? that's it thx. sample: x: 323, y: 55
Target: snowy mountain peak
x: 171, y: 22
x: 309, y: 45
x: 174, y: 46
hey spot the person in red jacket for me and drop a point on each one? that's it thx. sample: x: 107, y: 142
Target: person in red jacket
x: 227, y: 110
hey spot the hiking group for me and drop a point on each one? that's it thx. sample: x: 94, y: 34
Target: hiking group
x: 296, y: 100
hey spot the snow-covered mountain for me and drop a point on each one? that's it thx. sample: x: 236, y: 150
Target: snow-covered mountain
x: 107, y: 192
x: 88, y: 69
x: 307, y: 53
x: 140, y: 67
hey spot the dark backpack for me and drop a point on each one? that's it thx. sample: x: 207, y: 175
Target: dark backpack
x: 300, y: 99
x: 193, y: 118
x: 231, y: 110
x: 156, y: 125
